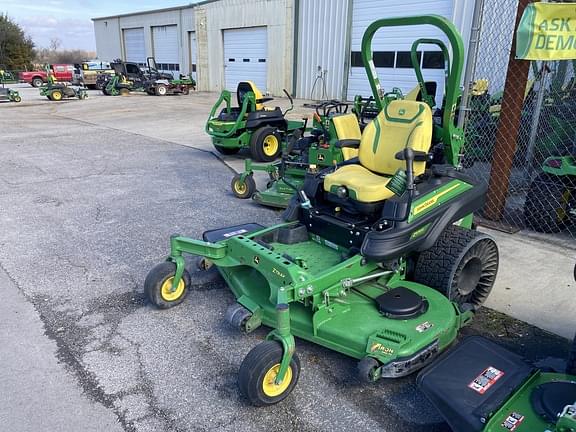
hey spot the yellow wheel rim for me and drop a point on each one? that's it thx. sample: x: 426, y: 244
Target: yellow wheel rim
x: 269, y: 386
x: 240, y: 187
x: 270, y: 145
x: 166, y: 290
x: 57, y: 96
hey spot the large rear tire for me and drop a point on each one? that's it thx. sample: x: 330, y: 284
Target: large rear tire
x: 547, y: 207
x: 462, y: 265
x: 265, y: 144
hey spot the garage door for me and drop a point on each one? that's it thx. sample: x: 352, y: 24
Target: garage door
x: 166, y: 53
x: 391, y: 46
x: 134, y: 45
x: 245, y: 56
x: 193, y: 54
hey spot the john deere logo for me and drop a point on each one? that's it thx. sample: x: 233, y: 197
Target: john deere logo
x: 320, y: 157
x: 401, y: 111
x: 256, y: 260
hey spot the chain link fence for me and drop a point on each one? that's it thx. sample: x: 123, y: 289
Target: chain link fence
x: 521, y: 131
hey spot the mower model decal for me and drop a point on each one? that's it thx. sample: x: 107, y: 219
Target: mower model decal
x: 376, y: 346
x: 437, y: 197
x: 419, y: 232
x: 278, y: 272
x: 485, y: 380
x: 512, y: 422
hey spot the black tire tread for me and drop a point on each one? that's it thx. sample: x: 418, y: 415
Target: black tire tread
x: 154, y: 280
x: 256, y: 143
x: 250, y: 183
x: 255, y: 364
x: 433, y: 267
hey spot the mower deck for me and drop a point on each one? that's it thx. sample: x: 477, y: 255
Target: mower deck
x: 316, y: 280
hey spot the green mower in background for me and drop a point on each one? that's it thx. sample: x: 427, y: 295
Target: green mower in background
x: 8, y: 94
x: 481, y: 387
x: 551, y: 199
x: 378, y: 258
x: 56, y: 91
x: 323, y: 147
x: 249, y: 125
x: 303, y: 154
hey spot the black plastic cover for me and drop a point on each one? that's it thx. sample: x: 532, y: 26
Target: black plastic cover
x: 550, y: 398
x: 471, y: 381
x: 216, y: 235
x: 401, y: 303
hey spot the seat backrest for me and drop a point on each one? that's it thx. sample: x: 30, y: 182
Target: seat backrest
x: 245, y: 87
x: 347, y: 127
x: 399, y: 125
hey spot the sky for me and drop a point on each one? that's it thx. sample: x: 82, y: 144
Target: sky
x: 69, y: 20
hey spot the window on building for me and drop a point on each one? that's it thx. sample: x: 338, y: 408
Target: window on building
x: 404, y: 61
x: 433, y: 60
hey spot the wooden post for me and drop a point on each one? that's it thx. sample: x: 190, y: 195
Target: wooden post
x: 508, y: 126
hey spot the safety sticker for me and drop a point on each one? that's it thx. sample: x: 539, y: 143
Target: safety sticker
x: 486, y: 379
x: 235, y: 233
x: 513, y: 421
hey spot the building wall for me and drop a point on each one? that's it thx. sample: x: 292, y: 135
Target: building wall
x: 108, y: 39
x: 215, y: 17
x: 321, y: 52
x: 323, y: 39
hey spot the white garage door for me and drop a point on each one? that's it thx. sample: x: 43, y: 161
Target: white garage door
x: 134, y: 45
x: 193, y: 54
x: 391, y: 46
x: 245, y: 57
x: 166, y: 53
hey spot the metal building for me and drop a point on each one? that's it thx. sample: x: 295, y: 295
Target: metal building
x: 310, y: 47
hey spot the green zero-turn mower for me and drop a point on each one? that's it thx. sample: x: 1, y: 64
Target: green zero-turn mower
x: 8, y: 94
x: 378, y: 258
x: 332, y: 126
x: 56, y: 91
x: 480, y: 386
x: 249, y: 125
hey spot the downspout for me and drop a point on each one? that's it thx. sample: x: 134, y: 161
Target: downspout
x: 295, y: 51
x: 347, y: 50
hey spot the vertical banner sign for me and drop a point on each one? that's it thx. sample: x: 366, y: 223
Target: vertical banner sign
x: 547, y: 31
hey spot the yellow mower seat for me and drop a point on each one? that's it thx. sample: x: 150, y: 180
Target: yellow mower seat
x: 347, y: 127
x: 400, y: 125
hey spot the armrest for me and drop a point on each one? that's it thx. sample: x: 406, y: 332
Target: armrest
x: 264, y: 100
x: 419, y: 156
x: 348, y: 143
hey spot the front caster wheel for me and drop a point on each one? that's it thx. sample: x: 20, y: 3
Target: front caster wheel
x: 258, y: 372
x: 237, y: 316
x: 367, y: 370
x: 158, y: 286
x: 243, y: 189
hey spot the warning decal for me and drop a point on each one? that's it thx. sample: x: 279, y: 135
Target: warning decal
x: 485, y: 380
x: 513, y: 421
